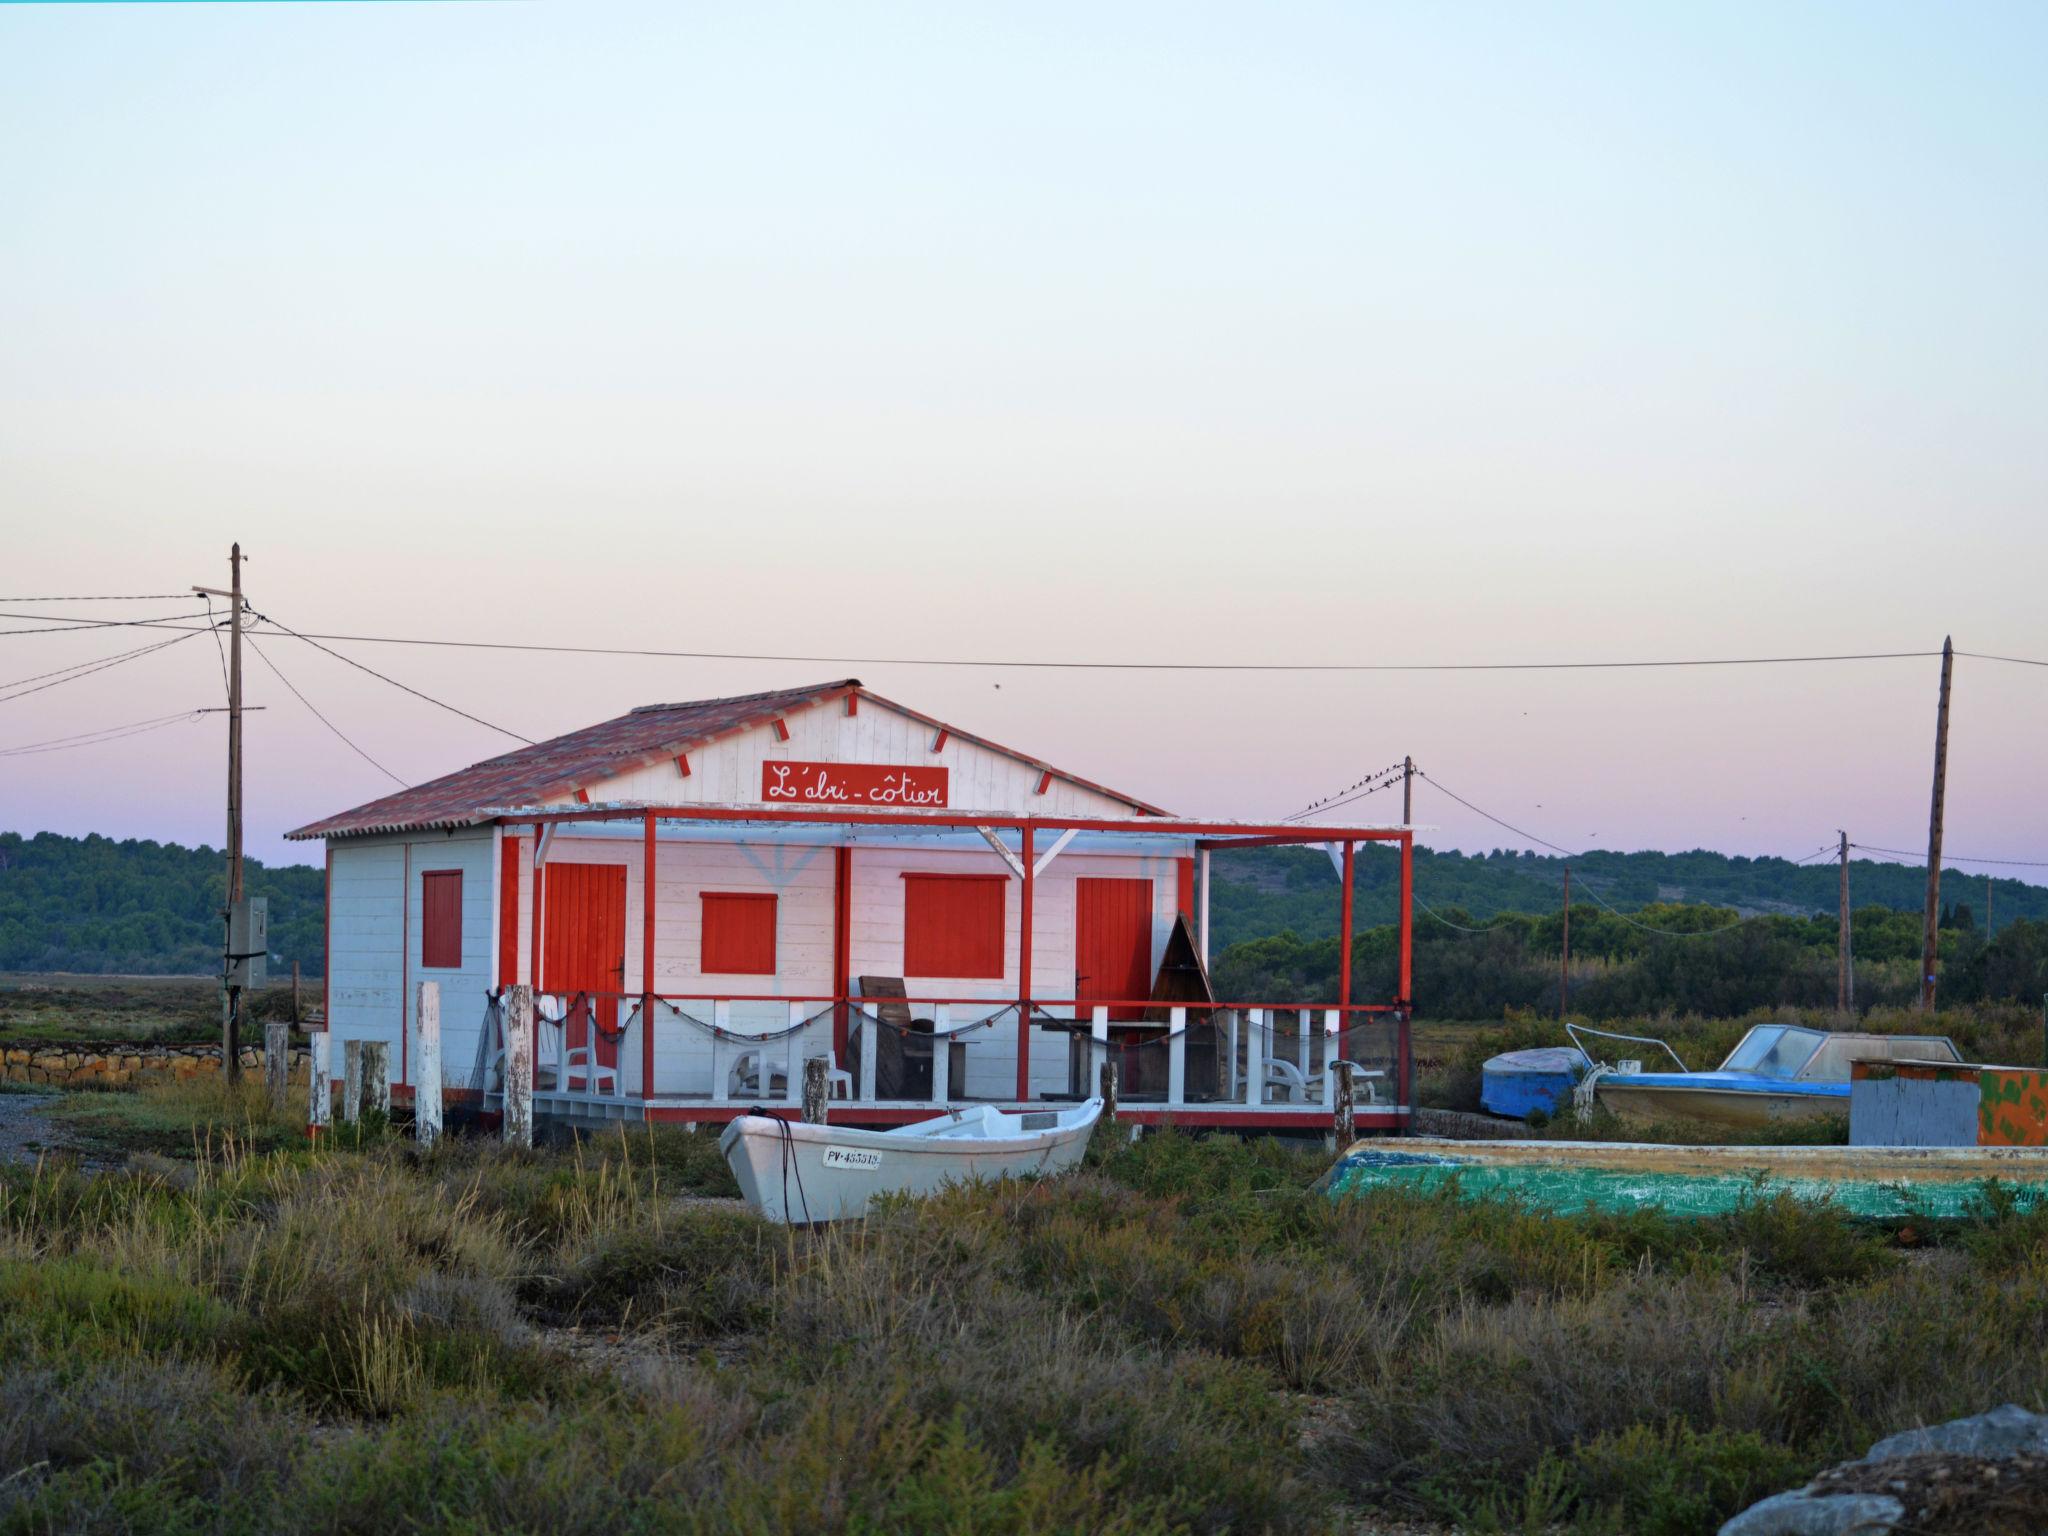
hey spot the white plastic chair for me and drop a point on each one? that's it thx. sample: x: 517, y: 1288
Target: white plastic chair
x: 744, y: 1078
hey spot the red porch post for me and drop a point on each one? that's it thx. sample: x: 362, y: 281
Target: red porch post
x: 647, y: 873
x: 842, y: 943
x: 1407, y: 939
x: 539, y: 902
x: 1024, y: 976
x: 1344, y: 934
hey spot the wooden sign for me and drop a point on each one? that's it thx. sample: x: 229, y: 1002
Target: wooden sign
x: 853, y: 784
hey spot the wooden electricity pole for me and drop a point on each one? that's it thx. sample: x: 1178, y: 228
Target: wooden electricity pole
x: 1564, y: 962
x: 1407, y: 791
x: 1931, y: 935
x: 1845, y: 976
x: 231, y: 1008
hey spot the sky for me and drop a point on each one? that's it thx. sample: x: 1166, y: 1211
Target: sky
x: 1341, y: 333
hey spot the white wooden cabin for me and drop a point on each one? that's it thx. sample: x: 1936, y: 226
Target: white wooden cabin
x: 809, y: 848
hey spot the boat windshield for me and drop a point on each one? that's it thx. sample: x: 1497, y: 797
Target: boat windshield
x: 1774, y: 1050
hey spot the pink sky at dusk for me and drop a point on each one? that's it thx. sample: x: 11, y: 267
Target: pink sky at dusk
x: 1346, y: 334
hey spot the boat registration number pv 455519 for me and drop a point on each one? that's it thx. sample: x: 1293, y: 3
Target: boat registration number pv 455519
x: 849, y: 1157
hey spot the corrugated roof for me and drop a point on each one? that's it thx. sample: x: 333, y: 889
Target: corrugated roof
x: 548, y: 770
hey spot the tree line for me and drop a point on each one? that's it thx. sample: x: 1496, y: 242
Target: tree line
x: 137, y: 907
x: 1664, y: 958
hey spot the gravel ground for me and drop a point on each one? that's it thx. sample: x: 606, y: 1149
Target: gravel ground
x: 26, y: 1133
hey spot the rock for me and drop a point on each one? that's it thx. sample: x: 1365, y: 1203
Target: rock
x: 2005, y: 1431
x: 1801, y: 1513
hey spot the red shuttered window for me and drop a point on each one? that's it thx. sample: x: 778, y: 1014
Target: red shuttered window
x: 441, y: 920
x: 953, y: 925
x: 739, y: 934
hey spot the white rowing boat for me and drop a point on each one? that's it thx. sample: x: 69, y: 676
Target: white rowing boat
x: 798, y: 1173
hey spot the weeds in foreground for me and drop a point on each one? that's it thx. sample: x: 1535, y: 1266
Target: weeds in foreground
x: 1182, y: 1337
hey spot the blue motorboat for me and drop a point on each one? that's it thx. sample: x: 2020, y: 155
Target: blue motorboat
x: 1776, y: 1072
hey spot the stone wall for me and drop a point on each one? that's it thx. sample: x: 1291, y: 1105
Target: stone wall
x: 109, y: 1063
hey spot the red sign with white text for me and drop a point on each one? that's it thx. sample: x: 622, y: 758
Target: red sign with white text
x: 885, y: 784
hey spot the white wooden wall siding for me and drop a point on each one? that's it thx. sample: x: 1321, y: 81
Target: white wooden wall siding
x: 802, y: 878
x: 729, y: 772
x: 371, y: 994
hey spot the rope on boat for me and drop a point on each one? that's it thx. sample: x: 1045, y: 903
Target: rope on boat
x: 1582, y: 1091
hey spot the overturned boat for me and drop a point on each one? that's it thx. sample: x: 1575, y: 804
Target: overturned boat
x: 1776, y: 1072
x: 799, y: 1173
x: 1568, y: 1177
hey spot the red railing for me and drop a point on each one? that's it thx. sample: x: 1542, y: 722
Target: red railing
x: 580, y: 1017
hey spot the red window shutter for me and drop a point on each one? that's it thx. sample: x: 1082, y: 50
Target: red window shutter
x: 739, y: 934
x: 441, y: 919
x: 953, y: 925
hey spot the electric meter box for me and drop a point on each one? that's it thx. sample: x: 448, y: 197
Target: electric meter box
x: 248, y: 941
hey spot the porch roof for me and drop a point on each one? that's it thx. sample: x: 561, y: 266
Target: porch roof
x: 789, y: 820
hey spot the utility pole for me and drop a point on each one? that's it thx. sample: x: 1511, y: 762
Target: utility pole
x: 1931, y: 935
x: 1407, y: 791
x: 1845, y: 981
x: 232, y: 966
x: 1564, y: 963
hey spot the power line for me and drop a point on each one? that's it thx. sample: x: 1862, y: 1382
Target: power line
x: 1528, y: 836
x: 359, y: 752
x: 66, y: 624
x: 226, y: 688
x: 87, y: 669
x: 1951, y: 858
x: 36, y: 677
x: 1587, y: 885
x: 102, y: 736
x: 394, y: 682
x: 103, y: 597
x: 1003, y: 663
x: 1432, y: 911
x: 1372, y: 783
x: 1008, y: 663
x: 2018, y: 661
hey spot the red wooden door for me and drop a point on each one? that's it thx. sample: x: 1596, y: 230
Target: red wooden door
x: 1113, y: 944
x: 583, y: 948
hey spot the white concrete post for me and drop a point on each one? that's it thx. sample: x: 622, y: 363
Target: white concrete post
x: 1301, y: 1033
x: 721, y: 1024
x: 1177, y: 1058
x: 377, y: 1076
x: 351, y: 1081
x: 942, y: 1056
x: 870, y: 1047
x: 519, y: 1067
x: 1230, y: 1054
x: 426, y: 1088
x: 794, y: 1082
x: 1333, y: 1047
x: 277, y: 1060
x: 319, y: 1083
x: 1098, y: 1032
x: 1255, y: 1055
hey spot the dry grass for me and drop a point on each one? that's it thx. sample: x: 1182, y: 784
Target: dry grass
x: 1182, y: 1337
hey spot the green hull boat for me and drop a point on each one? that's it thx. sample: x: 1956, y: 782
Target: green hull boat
x: 1879, y: 1183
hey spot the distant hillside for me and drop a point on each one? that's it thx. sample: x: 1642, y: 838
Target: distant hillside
x: 1264, y: 891
x: 141, y: 908
x: 92, y: 904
